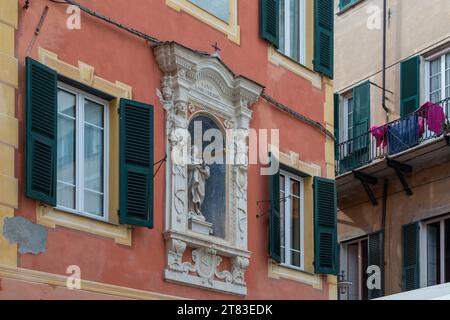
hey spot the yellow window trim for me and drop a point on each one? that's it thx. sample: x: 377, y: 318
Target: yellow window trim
x: 231, y: 29
x: 280, y: 60
x: 292, y: 160
x: 277, y: 272
x: 51, y: 217
x: 305, y: 71
x: 38, y: 277
x: 9, y: 125
x: 329, y: 124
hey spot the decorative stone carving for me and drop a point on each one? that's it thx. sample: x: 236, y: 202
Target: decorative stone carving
x: 175, y: 251
x: 192, y: 82
x: 206, y: 262
x: 240, y: 264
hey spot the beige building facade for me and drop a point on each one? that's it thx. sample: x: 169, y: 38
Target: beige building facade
x: 392, y: 163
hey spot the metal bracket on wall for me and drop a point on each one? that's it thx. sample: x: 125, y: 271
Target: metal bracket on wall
x: 400, y: 169
x: 365, y: 181
x: 447, y: 139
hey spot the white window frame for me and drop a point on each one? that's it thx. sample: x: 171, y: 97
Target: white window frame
x: 344, y: 263
x: 302, y: 33
x: 424, y: 249
x: 79, y: 157
x: 345, y: 127
x: 442, y: 56
x: 287, y: 221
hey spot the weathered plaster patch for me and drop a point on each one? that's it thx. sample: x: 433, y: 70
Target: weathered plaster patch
x: 31, y: 237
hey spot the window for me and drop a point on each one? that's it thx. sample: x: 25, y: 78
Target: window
x: 436, y: 240
x: 354, y: 263
x: 82, y: 158
x: 218, y: 8
x: 347, y: 133
x: 292, y: 220
x: 438, y: 78
x: 292, y: 25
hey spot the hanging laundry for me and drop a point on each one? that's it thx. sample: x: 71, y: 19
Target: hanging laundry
x: 435, y: 116
x: 379, y: 133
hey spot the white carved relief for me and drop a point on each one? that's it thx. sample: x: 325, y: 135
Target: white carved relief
x: 195, y: 82
x: 240, y: 264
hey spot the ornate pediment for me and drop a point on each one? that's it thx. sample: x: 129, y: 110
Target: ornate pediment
x: 195, y: 83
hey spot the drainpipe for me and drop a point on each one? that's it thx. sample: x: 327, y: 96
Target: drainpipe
x: 383, y: 103
x: 384, y: 213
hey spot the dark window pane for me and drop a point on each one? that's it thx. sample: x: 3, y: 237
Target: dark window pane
x: 364, y: 266
x: 447, y: 250
x: 433, y: 254
x: 352, y: 269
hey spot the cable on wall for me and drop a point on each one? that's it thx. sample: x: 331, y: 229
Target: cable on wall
x: 154, y: 40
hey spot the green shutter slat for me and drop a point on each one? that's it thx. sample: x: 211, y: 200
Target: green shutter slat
x: 136, y: 163
x: 274, y: 217
x: 411, y: 268
x: 361, y: 123
x: 324, y: 37
x: 325, y: 227
x: 41, y: 132
x: 269, y: 21
x: 376, y: 258
x: 409, y: 86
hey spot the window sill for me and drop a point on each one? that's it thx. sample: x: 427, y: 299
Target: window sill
x: 280, y: 60
x: 82, y: 214
x: 348, y: 7
x: 51, y: 217
x: 279, y: 271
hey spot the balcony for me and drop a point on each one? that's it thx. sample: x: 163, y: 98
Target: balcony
x: 428, y: 123
x: 415, y: 141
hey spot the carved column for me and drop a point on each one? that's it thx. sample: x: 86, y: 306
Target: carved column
x: 240, y: 169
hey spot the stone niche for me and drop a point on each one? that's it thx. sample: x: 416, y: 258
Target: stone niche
x: 195, y: 83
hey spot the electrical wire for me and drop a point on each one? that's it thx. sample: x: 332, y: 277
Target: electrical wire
x: 110, y: 21
x: 298, y: 116
x: 154, y: 40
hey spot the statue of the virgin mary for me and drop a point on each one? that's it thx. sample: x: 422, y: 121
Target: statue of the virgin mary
x: 198, y: 174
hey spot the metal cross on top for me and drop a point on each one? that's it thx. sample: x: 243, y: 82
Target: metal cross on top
x: 217, y: 50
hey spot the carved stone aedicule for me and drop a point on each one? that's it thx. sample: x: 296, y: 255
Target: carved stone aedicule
x: 205, y: 264
x: 195, y: 83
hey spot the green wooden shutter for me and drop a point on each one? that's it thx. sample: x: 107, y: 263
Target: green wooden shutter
x: 361, y: 124
x: 136, y: 163
x: 409, y: 86
x: 325, y: 227
x: 411, y: 260
x: 376, y: 258
x: 269, y: 21
x: 41, y: 132
x: 274, y: 217
x: 361, y: 110
x: 323, y: 36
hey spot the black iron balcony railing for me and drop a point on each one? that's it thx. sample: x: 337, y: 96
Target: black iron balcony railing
x: 429, y: 122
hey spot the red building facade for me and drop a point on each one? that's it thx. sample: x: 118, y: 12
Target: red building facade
x: 92, y: 232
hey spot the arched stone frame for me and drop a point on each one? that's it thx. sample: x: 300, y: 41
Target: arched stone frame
x: 197, y: 82
x: 195, y: 112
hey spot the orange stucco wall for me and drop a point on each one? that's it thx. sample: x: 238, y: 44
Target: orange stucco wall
x: 117, y: 55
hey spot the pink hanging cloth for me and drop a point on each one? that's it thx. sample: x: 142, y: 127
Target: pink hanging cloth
x: 434, y: 114
x: 380, y: 133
